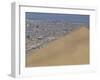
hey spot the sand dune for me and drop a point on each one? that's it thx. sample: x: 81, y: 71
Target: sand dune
x: 70, y: 49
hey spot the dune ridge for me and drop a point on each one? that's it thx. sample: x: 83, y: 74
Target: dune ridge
x: 71, y: 49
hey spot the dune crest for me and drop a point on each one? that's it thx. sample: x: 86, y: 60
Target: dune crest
x: 70, y: 49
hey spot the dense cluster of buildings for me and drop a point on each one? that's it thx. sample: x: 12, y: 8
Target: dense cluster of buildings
x: 39, y: 32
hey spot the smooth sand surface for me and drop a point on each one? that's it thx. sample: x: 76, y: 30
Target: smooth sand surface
x: 71, y: 49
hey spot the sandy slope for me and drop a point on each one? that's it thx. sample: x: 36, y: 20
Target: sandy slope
x: 70, y: 49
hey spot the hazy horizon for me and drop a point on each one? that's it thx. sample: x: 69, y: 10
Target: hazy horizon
x: 58, y: 17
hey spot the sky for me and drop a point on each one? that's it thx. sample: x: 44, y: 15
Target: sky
x: 58, y: 17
